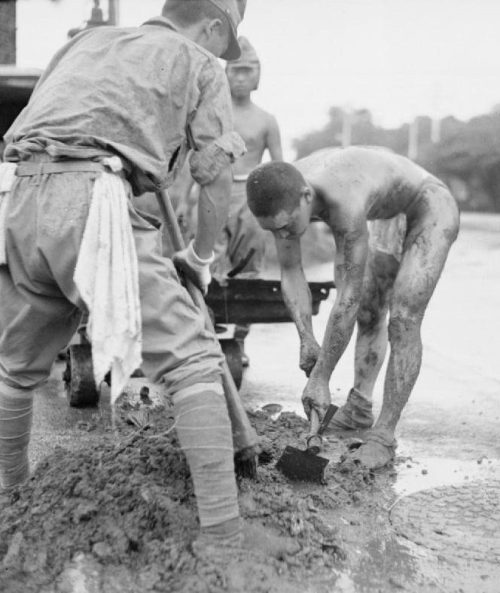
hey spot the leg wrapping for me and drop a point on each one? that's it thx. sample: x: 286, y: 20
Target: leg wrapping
x: 204, y: 432
x: 16, y: 406
x: 355, y: 414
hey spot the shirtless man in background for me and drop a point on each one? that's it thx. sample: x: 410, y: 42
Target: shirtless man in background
x: 259, y: 129
x: 346, y: 189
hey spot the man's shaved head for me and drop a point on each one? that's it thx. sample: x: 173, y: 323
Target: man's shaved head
x: 273, y: 187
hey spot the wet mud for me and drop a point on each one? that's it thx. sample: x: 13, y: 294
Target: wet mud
x: 119, y: 516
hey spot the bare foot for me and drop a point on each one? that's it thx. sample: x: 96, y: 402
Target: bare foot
x: 266, y: 541
x: 378, y: 450
x: 373, y: 455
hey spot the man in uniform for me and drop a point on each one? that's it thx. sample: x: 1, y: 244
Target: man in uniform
x: 347, y: 189
x: 113, y: 116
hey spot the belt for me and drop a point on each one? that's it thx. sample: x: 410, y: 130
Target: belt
x: 28, y: 169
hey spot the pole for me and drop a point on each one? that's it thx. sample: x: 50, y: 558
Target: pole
x: 245, y: 438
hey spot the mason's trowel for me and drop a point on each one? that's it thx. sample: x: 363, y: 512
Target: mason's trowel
x: 307, y: 466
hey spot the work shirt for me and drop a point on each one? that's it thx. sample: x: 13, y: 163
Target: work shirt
x: 146, y: 94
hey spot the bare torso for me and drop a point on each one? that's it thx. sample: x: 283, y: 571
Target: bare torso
x: 259, y: 130
x: 360, y: 182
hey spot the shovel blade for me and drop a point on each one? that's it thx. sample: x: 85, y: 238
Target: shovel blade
x: 302, y: 465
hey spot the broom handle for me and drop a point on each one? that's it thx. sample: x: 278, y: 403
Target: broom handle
x: 244, y: 436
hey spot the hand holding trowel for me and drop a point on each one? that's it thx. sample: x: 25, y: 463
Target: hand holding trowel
x: 308, y: 465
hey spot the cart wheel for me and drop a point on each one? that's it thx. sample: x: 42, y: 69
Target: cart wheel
x: 79, y: 377
x: 232, y: 353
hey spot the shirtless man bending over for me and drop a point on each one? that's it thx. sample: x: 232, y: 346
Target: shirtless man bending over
x: 347, y: 189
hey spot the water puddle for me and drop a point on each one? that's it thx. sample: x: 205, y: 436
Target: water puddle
x: 433, y: 472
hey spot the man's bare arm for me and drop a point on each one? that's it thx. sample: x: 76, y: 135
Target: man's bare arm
x: 297, y: 297
x: 350, y: 265
x: 213, y: 206
x: 352, y: 250
x: 274, y: 140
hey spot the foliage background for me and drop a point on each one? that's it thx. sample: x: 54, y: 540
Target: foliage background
x: 466, y: 154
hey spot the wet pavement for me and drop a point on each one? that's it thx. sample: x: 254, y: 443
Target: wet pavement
x: 436, y: 527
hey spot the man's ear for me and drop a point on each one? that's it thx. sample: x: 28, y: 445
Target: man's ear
x: 216, y: 25
x: 307, y: 193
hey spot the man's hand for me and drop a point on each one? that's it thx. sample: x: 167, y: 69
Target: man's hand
x: 189, y: 264
x: 309, y: 352
x: 316, y: 395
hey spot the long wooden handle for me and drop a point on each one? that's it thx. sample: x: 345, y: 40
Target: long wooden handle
x: 313, y: 440
x: 244, y: 436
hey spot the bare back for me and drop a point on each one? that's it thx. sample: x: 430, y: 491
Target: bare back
x: 371, y: 183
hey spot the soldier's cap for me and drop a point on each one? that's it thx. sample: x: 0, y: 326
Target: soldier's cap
x: 248, y: 57
x: 233, y: 10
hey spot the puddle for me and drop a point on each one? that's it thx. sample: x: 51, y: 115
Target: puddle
x: 432, y: 472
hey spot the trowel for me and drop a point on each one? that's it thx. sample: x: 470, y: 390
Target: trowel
x: 307, y: 466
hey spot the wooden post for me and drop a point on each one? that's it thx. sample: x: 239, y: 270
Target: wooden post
x: 8, y: 32
x: 113, y: 12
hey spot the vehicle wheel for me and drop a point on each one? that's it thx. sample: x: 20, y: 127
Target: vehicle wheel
x: 232, y: 353
x: 78, y: 377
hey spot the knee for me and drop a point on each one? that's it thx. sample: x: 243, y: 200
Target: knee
x: 403, y: 325
x: 369, y: 318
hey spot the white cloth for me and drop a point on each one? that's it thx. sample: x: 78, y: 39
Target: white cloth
x: 388, y: 235
x: 107, y: 278
x: 7, y: 177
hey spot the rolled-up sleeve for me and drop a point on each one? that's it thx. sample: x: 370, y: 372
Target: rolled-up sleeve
x: 211, y: 134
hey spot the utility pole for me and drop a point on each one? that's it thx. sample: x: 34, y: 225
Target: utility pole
x: 436, y: 108
x: 113, y: 12
x: 7, y: 31
x: 413, y: 140
x: 436, y: 130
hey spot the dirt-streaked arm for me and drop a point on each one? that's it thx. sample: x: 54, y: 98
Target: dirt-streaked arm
x: 352, y: 249
x: 297, y: 297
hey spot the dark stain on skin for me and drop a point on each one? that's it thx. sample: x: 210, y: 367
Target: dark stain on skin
x: 391, y: 199
x: 371, y: 358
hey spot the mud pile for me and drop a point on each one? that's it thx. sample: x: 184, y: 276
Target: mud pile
x: 121, y: 517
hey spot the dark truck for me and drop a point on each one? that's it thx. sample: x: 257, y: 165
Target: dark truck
x: 16, y: 86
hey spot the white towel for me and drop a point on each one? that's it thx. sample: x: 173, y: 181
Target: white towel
x: 7, y: 177
x: 107, y: 278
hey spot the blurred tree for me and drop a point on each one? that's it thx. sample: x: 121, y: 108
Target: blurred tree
x: 7, y: 31
x: 467, y: 156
